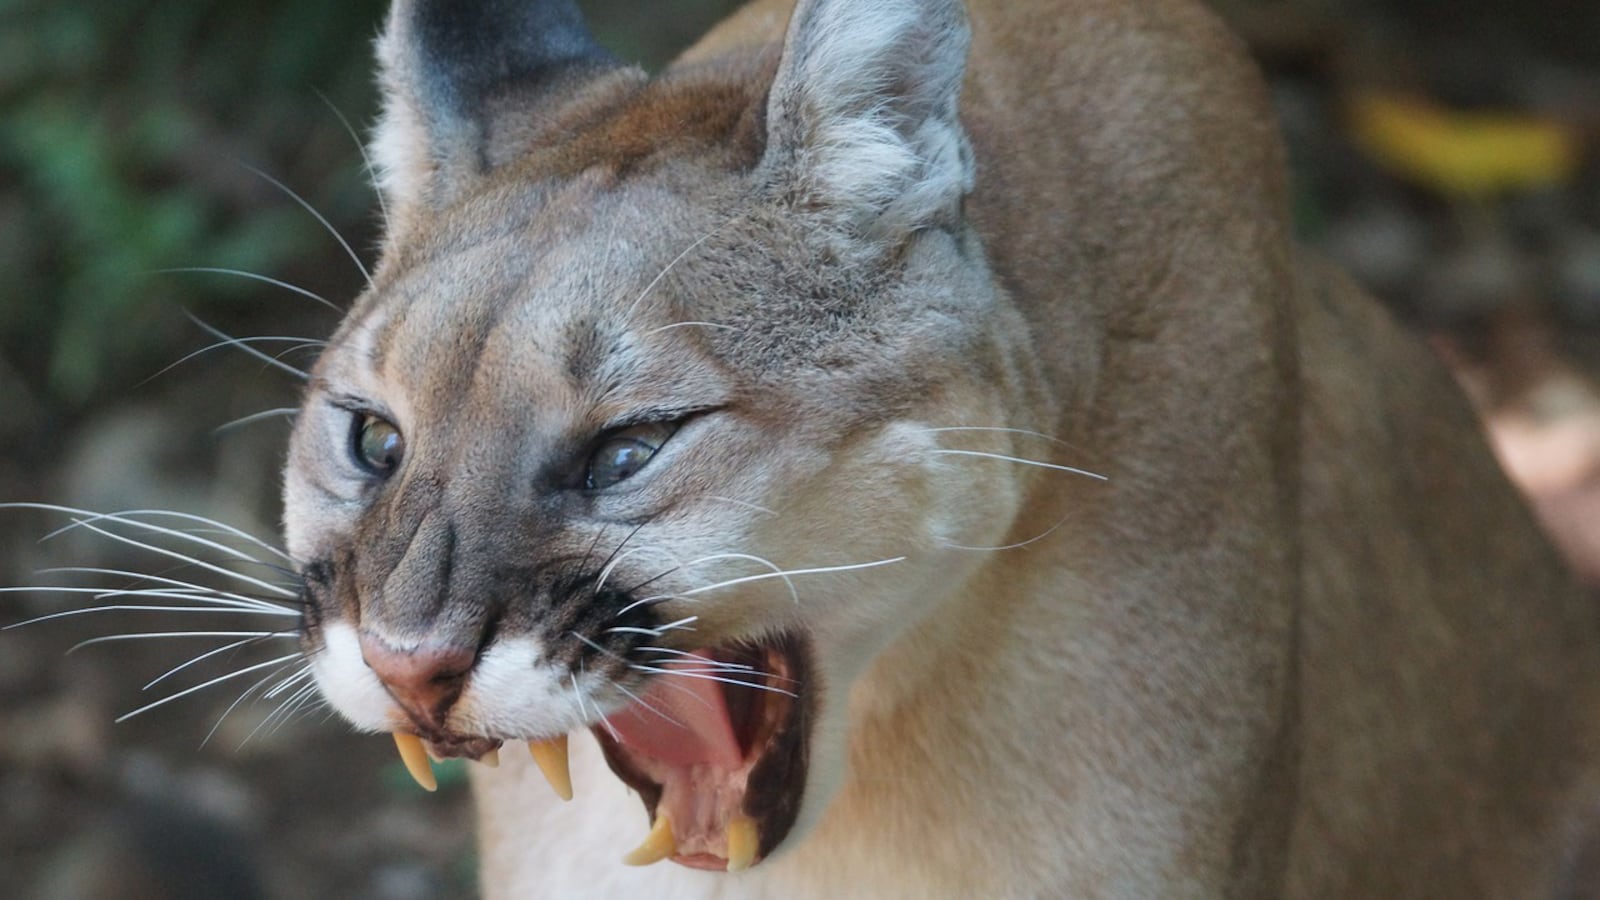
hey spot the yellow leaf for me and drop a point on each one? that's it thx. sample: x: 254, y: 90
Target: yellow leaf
x: 1463, y: 154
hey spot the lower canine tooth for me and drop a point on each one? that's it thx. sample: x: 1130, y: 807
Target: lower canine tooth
x: 658, y: 844
x: 551, y: 756
x: 742, y: 841
x: 415, y: 758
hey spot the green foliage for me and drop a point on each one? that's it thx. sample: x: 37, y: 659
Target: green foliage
x: 126, y: 130
x: 127, y: 133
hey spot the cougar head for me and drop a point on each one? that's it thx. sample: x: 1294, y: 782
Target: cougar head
x: 644, y: 424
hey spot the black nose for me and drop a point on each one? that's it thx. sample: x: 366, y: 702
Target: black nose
x: 426, y: 680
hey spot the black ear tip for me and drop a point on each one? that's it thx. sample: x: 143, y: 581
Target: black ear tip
x: 471, y: 48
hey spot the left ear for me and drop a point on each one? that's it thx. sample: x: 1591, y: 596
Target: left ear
x: 862, y: 116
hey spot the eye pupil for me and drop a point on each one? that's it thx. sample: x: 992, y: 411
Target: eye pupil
x: 379, y: 445
x: 622, y: 455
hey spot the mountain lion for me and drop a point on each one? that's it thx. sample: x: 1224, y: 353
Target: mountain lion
x: 904, y: 448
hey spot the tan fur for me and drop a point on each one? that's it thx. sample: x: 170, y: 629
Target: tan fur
x: 1303, y: 641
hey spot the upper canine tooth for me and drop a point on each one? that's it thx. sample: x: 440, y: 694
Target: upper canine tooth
x: 742, y: 843
x: 491, y: 758
x: 658, y: 844
x: 551, y: 756
x: 415, y: 758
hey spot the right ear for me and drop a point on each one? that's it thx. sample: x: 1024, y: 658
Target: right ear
x: 464, y: 82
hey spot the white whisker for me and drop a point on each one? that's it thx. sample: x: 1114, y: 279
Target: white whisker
x: 654, y: 670
x: 128, y: 514
x: 291, y: 707
x: 179, y: 586
x: 628, y: 316
x: 173, y: 554
x: 646, y: 601
x: 218, y: 610
x: 698, y: 658
x: 777, y: 570
x: 214, y: 651
x: 1019, y: 544
x: 240, y: 344
x: 691, y: 325
x: 319, y: 217
x: 1023, y: 431
x: 125, y: 517
x: 732, y: 582
x: 287, y: 412
x: 202, y: 686
x: 252, y: 275
x: 640, y: 702
x: 745, y: 503
x: 1021, y: 461
x: 617, y: 559
x: 243, y: 695
x: 148, y: 635
x: 291, y: 680
x: 366, y: 161
x: 300, y: 343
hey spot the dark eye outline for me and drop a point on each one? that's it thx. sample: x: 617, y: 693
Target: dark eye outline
x: 360, y: 423
x: 649, y: 436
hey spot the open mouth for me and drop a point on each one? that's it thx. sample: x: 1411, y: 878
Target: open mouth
x: 716, y: 747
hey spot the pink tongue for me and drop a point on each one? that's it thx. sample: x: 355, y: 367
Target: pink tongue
x: 685, y: 722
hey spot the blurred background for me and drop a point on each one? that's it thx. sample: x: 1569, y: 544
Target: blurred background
x: 1445, y: 152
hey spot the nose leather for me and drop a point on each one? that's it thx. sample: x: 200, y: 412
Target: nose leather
x: 425, y: 680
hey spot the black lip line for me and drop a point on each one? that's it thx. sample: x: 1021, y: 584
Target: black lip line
x: 776, y: 785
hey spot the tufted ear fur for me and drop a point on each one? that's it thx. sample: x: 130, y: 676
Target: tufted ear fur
x: 862, y: 118
x: 468, y: 84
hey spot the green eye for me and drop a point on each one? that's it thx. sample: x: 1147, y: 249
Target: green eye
x: 376, y: 444
x: 623, y: 453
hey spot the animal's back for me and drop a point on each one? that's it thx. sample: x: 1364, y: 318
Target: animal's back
x: 1449, y: 667
x: 1441, y: 677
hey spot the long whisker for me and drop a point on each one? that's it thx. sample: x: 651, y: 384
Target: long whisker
x: 366, y: 161
x: 699, y: 659
x: 640, y: 702
x: 214, y: 651
x: 648, y: 601
x: 244, y: 695
x: 288, y: 412
x: 240, y: 344
x: 662, y: 328
x: 286, y: 711
x: 1019, y: 544
x: 203, y: 685
x: 745, y: 503
x: 186, y: 586
x: 319, y: 217
x: 163, y: 513
x: 1021, y: 461
x: 162, y: 551
x: 681, y: 673
x: 255, y: 277
x: 147, y: 635
x: 628, y: 316
x: 239, y: 341
x: 656, y: 632
x: 784, y: 574
x: 219, y: 608
x: 777, y: 570
x: 617, y: 559
x: 1023, y: 431
x: 122, y: 519
x: 657, y: 670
